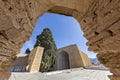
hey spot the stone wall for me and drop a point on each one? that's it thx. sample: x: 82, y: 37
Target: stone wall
x: 85, y: 59
x: 62, y: 61
x: 35, y: 58
x: 20, y: 64
x: 76, y: 58
x: 99, y: 20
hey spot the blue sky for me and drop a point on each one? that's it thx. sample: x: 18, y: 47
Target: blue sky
x: 66, y: 31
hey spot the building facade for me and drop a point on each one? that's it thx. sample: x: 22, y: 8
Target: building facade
x: 70, y: 57
x: 67, y: 58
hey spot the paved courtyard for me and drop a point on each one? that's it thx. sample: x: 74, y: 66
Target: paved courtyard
x: 71, y: 74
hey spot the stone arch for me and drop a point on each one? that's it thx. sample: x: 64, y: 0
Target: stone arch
x: 63, y: 61
x: 99, y: 21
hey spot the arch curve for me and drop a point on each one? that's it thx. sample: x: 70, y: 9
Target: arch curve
x: 18, y: 18
x: 63, y: 61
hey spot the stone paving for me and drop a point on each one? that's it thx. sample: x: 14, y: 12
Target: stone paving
x: 71, y: 74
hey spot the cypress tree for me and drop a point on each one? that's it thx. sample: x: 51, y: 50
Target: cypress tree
x: 27, y: 51
x: 46, y: 40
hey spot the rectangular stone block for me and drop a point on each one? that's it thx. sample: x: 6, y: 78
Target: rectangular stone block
x: 35, y: 58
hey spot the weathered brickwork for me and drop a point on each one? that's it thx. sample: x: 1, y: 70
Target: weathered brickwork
x: 99, y: 20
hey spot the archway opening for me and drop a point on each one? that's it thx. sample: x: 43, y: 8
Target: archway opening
x: 63, y: 61
x: 66, y: 30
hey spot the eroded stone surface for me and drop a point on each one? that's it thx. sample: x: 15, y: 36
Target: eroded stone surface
x: 99, y: 19
x: 111, y: 59
x: 4, y: 75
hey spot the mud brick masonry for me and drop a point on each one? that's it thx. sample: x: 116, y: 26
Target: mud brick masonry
x: 99, y: 20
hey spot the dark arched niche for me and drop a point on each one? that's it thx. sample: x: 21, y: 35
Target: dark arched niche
x: 63, y: 61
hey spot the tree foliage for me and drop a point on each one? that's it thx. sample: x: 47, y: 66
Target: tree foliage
x: 27, y: 51
x: 46, y: 40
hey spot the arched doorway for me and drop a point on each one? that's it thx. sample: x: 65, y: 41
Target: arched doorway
x: 63, y: 61
x: 21, y: 19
